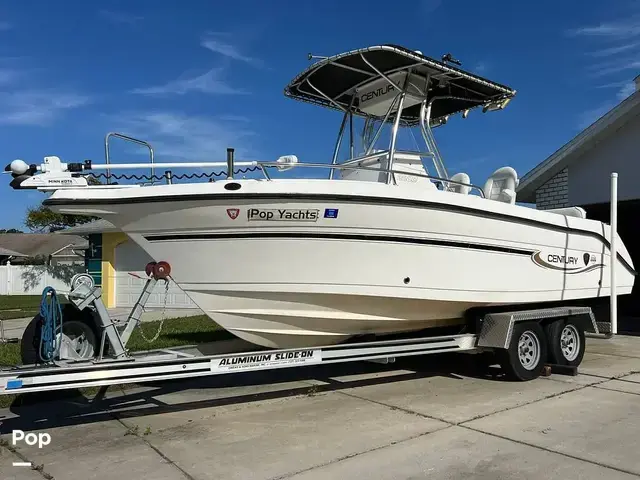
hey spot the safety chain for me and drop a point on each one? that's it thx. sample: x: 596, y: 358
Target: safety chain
x: 124, y: 176
x: 162, y: 318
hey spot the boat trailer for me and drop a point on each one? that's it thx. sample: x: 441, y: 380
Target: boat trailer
x: 526, y: 343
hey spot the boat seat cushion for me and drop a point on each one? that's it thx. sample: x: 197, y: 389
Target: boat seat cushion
x: 501, y: 185
x: 462, y: 178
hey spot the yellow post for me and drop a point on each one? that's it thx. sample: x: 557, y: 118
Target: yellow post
x: 110, y: 241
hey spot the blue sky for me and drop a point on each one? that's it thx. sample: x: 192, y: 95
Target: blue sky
x: 195, y: 77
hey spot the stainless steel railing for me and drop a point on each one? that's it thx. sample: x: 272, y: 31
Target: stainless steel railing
x: 444, y: 181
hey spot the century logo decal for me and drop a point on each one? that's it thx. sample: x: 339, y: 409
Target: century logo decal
x: 567, y: 261
x: 233, y: 213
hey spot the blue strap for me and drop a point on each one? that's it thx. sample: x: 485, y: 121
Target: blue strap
x: 51, y: 313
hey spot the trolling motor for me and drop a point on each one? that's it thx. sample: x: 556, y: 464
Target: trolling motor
x: 58, y: 174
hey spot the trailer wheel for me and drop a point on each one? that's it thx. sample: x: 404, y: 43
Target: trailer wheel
x: 525, y: 357
x: 30, y: 341
x: 566, y: 342
x: 78, y: 327
x: 78, y: 340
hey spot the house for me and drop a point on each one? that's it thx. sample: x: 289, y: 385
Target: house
x: 42, y: 248
x: 579, y: 174
x: 117, y: 265
x: 8, y: 255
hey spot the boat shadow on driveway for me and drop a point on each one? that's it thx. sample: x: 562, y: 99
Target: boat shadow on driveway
x: 47, y: 410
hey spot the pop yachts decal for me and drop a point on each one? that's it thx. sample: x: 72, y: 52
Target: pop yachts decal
x: 570, y: 262
x: 283, y: 214
x: 289, y: 214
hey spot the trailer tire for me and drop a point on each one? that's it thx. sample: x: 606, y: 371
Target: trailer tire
x: 526, y: 355
x: 566, y: 342
x: 30, y: 342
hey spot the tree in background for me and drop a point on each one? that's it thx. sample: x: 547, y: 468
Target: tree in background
x: 42, y: 219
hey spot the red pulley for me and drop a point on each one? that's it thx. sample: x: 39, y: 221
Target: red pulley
x: 149, y: 268
x: 161, y: 270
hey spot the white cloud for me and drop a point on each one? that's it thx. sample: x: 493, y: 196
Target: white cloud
x: 429, y: 6
x: 121, y: 17
x: 226, y: 49
x: 624, y: 28
x: 480, y: 67
x: 23, y: 103
x: 626, y: 90
x: 616, y: 56
x: 610, y: 51
x: 590, y: 116
x: 603, y: 69
x: 181, y: 137
x: 8, y: 76
x: 209, y: 82
x: 36, y: 107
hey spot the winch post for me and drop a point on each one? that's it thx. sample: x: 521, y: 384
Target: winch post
x: 155, y: 271
x: 138, y: 309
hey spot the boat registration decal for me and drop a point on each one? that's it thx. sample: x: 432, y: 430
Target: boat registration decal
x: 256, y: 361
x: 569, y: 262
x: 283, y: 215
x: 330, y: 213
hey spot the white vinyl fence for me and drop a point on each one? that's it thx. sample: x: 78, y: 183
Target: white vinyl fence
x: 32, y: 279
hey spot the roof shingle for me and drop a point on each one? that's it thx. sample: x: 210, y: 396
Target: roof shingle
x: 35, y: 244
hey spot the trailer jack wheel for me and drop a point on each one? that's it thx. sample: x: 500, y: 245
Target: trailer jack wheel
x: 566, y: 341
x: 526, y: 356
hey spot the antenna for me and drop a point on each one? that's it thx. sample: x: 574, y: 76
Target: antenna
x: 447, y: 57
x: 319, y: 57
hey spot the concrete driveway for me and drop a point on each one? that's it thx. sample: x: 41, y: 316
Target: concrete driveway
x: 429, y: 417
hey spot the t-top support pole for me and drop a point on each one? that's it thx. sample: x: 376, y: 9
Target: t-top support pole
x: 614, y: 253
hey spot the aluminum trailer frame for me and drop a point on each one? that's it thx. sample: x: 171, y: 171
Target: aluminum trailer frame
x: 495, y: 332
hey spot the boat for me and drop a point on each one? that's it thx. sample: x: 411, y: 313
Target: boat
x: 386, y: 242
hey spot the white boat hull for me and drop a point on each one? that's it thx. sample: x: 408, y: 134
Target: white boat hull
x: 371, y: 262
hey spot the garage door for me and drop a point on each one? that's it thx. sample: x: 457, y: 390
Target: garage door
x: 132, y: 259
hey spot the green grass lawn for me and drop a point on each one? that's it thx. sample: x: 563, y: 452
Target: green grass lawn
x: 13, y: 302
x: 21, y: 306
x: 175, y: 332
x: 18, y: 313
